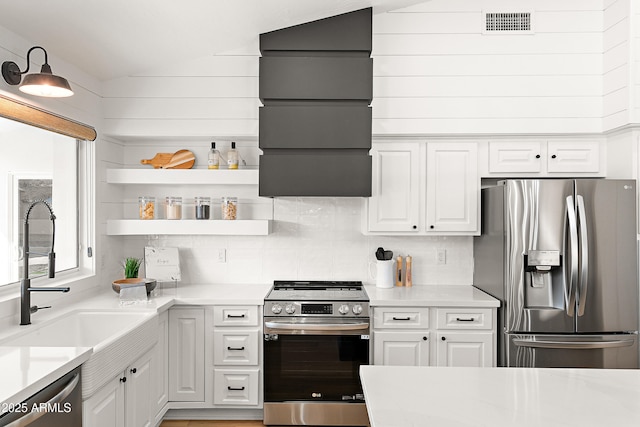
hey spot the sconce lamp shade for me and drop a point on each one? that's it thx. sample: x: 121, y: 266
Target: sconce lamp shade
x: 44, y: 83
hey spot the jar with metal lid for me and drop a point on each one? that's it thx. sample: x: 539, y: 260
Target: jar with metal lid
x: 203, y: 207
x: 229, y: 207
x: 147, y: 207
x: 173, y: 207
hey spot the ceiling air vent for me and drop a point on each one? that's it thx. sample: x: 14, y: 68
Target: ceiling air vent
x: 508, y: 23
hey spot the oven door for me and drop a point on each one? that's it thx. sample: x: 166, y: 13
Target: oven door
x: 307, y: 359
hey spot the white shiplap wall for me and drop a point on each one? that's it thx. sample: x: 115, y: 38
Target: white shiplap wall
x: 434, y: 73
x: 616, y: 66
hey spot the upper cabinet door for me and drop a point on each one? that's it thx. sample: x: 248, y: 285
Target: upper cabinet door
x: 515, y: 157
x: 453, y: 187
x: 395, y: 200
x: 573, y: 156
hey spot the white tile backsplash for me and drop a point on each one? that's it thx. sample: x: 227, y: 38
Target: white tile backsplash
x: 313, y: 239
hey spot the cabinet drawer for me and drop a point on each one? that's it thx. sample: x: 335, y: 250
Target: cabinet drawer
x: 464, y: 318
x: 235, y: 315
x: 235, y: 347
x: 236, y: 387
x: 401, y: 318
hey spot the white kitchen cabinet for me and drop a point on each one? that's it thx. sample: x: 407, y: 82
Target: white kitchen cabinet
x: 453, y: 188
x: 237, y: 361
x: 401, y: 348
x: 440, y: 336
x: 395, y: 193
x: 160, y: 377
x: 545, y: 158
x: 473, y: 349
x: 125, y: 400
x: 186, y: 354
x: 105, y: 408
x: 424, y: 188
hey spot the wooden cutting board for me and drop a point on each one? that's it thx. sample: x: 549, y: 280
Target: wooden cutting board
x: 181, y: 159
x: 158, y: 160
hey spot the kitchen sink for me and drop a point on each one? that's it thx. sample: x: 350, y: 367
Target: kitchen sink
x: 117, y: 337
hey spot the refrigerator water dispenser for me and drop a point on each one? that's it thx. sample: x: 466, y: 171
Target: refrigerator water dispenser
x: 543, y: 280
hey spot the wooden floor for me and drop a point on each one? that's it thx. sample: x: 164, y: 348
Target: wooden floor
x: 205, y: 423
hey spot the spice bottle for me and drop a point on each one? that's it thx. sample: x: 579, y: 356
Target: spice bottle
x: 232, y: 157
x: 408, y: 274
x: 229, y: 208
x: 399, y: 271
x: 173, y: 207
x: 147, y: 207
x: 213, y: 160
x: 203, y: 207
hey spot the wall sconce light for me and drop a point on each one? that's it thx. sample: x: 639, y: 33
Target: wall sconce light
x: 44, y: 83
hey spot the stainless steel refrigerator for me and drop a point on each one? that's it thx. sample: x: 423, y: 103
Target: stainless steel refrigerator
x: 561, y: 255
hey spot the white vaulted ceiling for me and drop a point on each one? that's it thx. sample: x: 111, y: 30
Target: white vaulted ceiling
x: 115, y: 38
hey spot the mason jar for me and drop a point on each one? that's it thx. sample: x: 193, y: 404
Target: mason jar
x: 203, y: 207
x: 229, y: 207
x: 147, y: 207
x: 173, y: 207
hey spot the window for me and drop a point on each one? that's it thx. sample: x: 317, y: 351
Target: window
x: 37, y: 165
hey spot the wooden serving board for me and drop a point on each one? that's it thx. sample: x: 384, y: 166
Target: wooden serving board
x: 158, y: 160
x: 181, y: 159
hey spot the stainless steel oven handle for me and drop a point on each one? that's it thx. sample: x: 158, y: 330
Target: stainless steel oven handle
x: 317, y: 326
x: 32, y: 416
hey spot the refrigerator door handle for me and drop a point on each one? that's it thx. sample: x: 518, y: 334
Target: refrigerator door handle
x: 575, y: 345
x: 571, y: 228
x: 584, y: 256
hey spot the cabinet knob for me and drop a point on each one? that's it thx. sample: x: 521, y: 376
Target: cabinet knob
x: 432, y: 227
x: 415, y: 227
x: 443, y: 338
x: 134, y: 370
x: 424, y: 338
x: 553, y: 156
x: 123, y: 379
x: 537, y: 156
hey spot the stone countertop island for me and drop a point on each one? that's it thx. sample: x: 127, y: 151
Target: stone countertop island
x: 500, y: 397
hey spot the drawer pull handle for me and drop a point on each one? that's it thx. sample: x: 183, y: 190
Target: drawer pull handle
x: 235, y: 388
x: 235, y: 348
x: 462, y: 319
x: 401, y: 318
x: 235, y: 316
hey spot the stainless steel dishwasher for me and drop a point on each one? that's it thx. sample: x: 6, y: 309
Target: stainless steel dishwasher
x: 57, y: 405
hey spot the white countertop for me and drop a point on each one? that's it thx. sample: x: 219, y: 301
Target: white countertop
x: 430, y: 296
x: 500, y: 397
x: 39, y: 366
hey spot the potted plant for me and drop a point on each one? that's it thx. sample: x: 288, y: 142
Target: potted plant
x: 131, y: 266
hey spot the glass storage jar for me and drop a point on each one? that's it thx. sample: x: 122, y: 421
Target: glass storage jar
x: 203, y: 207
x: 229, y: 207
x: 173, y: 207
x: 147, y: 207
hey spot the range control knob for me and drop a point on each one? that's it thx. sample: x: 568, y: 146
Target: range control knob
x: 276, y: 309
x: 344, y: 309
x: 290, y: 309
x: 357, y: 309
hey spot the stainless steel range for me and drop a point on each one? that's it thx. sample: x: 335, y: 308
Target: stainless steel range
x: 316, y: 337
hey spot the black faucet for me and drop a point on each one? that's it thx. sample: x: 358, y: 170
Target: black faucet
x: 25, y: 289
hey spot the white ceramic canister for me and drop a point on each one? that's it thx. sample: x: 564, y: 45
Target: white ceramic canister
x: 385, y: 272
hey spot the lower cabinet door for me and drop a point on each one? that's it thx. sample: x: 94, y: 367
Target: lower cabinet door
x: 394, y: 348
x: 186, y: 354
x: 236, y: 387
x: 106, y: 407
x: 465, y: 349
x: 139, y: 392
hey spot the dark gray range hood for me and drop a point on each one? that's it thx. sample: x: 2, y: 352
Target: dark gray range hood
x: 316, y: 85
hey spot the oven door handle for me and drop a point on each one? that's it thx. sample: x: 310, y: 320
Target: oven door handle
x: 316, y: 327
